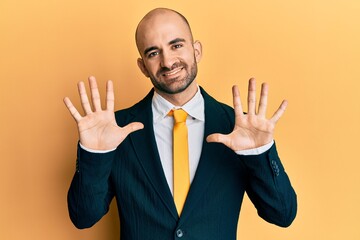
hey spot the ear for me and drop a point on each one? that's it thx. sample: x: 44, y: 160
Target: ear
x: 198, y: 50
x: 141, y: 65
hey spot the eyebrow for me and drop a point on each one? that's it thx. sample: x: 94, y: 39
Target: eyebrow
x: 176, y: 40
x: 149, y: 49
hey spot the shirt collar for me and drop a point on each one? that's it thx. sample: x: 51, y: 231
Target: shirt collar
x: 195, y: 107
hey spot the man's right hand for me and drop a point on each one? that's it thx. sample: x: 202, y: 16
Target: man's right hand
x: 98, y: 129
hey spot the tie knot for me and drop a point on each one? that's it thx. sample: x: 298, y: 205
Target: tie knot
x: 179, y: 115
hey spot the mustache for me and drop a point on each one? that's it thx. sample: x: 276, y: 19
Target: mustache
x: 163, y: 70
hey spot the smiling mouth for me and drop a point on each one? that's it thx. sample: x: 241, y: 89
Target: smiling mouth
x: 172, y: 72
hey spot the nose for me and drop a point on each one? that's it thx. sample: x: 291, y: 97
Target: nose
x: 167, y: 59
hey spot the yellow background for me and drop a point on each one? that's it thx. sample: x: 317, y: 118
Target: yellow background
x: 308, y: 51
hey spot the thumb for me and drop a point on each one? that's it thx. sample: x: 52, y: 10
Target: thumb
x: 132, y: 127
x: 216, y: 137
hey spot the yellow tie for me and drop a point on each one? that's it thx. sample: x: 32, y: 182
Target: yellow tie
x: 181, y: 158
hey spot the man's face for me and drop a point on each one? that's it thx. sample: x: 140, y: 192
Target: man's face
x: 169, y: 57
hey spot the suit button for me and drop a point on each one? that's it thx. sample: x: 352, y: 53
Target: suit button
x: 179, y: 233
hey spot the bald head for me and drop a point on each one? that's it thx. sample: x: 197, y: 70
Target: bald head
x: 155, y: 19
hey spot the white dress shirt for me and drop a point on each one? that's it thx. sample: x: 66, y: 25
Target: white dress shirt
x: 163, y: 127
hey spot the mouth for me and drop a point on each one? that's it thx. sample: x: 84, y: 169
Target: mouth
x: 172, y: 72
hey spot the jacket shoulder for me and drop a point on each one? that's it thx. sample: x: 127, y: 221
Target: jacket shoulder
x: 213, y: 106
x: 126, y: 115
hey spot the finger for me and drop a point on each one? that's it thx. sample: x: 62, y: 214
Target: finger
x: 279, y: 112
x: 252, y: 96
x: 95, y: 96
x: 110, y: 98
x: 237, y: 101
x: 84, y: 98
x: 132, y: 127
x: 76, y: 115
x: 218, y: 138
x: 263, y: 99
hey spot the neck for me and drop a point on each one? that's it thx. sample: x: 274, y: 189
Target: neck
x: 180, y: 99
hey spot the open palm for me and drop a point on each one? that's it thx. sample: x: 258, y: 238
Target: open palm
x: 98, y: 129
x: 253, y: 129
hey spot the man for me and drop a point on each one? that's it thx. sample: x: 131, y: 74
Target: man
x: 129, y: 156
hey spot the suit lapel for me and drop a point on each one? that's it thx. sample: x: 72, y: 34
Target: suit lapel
x: 144, y: 144
x: 145, y: 147
x: 210, y: 154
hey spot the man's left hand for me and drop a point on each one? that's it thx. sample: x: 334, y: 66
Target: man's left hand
x: 251, y: 130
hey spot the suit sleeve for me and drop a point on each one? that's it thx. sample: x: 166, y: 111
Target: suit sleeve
x: 269, y: 188
x: 90, y: 192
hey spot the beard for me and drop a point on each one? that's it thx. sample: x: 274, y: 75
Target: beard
x: 183, y: 83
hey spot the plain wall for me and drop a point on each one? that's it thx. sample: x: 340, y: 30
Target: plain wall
x: 308, y: 51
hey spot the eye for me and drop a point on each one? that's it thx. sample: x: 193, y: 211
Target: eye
x: 152, y: 54
x: 177, y: 46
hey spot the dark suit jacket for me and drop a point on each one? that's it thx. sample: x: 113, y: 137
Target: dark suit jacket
x: 134, y: 175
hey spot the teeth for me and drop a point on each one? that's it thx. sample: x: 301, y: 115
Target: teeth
x: 173, y: 72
